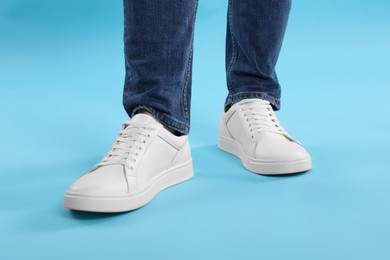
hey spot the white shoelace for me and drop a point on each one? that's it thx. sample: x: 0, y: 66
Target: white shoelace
x: 128, y: 145
x: 261, y: 117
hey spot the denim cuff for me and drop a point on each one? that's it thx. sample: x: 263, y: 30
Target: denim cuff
x: 165, y: 119
x: 237, y: 97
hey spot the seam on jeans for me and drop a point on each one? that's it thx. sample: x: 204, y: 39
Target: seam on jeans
x: 186, y: 102
x: 234, y: 46
x: 185, y: 87
x: 127, y: 75
x: 165, y: 119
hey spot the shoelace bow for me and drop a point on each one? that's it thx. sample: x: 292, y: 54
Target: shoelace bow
x: 128, y: 144
x: 261, y: 118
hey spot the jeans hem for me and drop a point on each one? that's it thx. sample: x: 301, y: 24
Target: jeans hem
x: 237, y: 97
x: 165, y: 119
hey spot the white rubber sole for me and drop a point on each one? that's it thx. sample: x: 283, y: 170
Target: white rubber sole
x: 259, y: 167
x: 127, y: 203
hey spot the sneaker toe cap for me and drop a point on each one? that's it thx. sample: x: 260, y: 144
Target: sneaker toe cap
x: 278, y: 148
x: 105, y: 181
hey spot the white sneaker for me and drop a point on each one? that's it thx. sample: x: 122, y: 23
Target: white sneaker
x: 251, y: 131
x: 144, y: 159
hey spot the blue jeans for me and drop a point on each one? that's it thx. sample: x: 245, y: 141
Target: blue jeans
x: 158, y: 39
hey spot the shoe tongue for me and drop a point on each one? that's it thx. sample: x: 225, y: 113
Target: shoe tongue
x: 143, y: 119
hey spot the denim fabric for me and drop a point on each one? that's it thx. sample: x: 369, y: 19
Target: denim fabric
x: 158, y: 39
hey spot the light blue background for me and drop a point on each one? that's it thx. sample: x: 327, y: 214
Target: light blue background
x: 61, y: 77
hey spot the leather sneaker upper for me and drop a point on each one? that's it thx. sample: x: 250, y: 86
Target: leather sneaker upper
x: 142, y: 151
x: 252, y: 123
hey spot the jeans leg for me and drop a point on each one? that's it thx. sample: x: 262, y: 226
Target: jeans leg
x: 158, y: 41
x: 255, y: 31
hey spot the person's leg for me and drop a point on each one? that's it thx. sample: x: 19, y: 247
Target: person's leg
x: 158, y: 40
x: 147, y: 157
x: 249, y: 127
x: 255, y: 31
